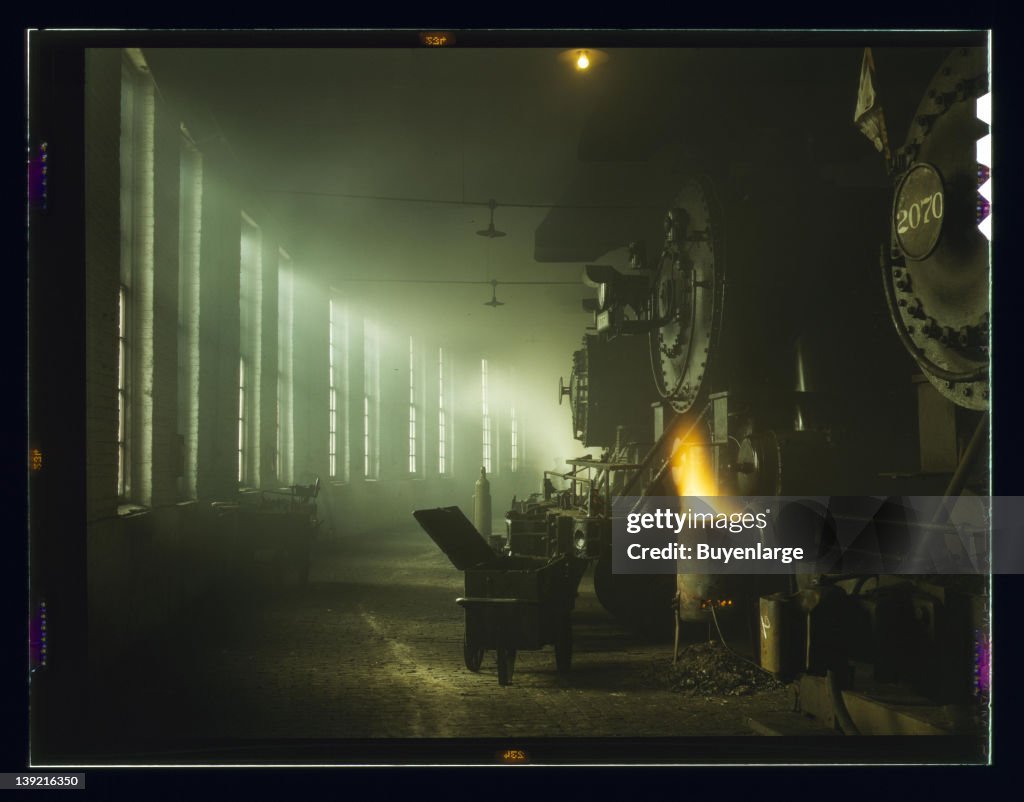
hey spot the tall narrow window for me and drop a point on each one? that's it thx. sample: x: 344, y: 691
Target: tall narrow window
x: 521, y: 438
x: 413, y: 426
x: 371, y: 401
x: 486, y: 417
x: 338, y: 428
x: 122, y: 391
x: 332, y: 396
x: 442, y: 417
x: 514, y: 426
x: 344, y: 409
x: 366, y: 437
x: 189, y: 224
x: 250, y: 344
x: 241, y: 420
x: 277, y: 430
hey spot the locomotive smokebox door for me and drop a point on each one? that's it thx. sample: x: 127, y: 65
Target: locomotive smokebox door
x: 687, y: 299
x: 936, y: 277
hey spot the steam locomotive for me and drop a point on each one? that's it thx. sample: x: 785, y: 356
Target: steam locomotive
x: 762, y: 350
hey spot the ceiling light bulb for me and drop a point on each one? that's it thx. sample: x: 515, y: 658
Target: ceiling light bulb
x: 582, y: 59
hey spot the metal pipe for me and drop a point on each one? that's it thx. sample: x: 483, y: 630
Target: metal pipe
x: 653, y: 453
x: 956, y: 484
x: 843, y: 718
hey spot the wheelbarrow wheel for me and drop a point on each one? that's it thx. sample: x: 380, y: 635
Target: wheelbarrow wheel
x: 474, y: 656
x: 563, y: 649
x: 506, y: 665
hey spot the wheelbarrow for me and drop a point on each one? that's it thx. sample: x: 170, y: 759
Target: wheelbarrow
x: 512, y: 603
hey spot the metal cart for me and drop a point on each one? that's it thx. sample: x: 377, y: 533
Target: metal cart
x: 511, y: 603
x: 271, y: 528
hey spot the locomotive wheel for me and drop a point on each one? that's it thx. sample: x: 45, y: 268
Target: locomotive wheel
x: 506, y: 665
x: 563, y: 648
x: 473, y: 656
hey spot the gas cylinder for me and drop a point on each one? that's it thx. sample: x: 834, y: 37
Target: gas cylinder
x: 482, y: 505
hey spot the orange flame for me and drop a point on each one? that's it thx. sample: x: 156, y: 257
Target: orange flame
x: 693, y: 469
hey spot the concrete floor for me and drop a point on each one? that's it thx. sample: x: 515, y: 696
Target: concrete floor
x: 372, y: 648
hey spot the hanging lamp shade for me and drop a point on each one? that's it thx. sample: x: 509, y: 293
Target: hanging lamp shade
x: 494, y: 303
x: 491, y: 232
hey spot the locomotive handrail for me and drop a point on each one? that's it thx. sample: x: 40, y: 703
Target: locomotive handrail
x: 609, y: 466
x: 462, y: 601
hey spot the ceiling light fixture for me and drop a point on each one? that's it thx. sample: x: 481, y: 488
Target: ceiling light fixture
x: 494, y: 303
x: 583, y: 58
x: 491, y: 232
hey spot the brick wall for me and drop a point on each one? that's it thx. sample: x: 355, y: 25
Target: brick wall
x: 311, y: 380
x: 220, y: 252
x: 102, y: 266
x: 166, y: 451
x: 188, y: 356
x: 145, y: 567
x: 285, y: 353
x: 142, y: 568
x: 268, y: 389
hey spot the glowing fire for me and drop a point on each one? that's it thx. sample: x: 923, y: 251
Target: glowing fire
x: 692, y: 467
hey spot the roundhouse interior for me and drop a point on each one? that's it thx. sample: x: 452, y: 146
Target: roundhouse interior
x: 304, y: 286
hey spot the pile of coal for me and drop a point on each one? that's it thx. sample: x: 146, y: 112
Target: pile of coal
x: 710, y: 669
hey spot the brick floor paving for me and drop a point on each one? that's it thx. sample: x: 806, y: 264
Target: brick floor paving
x: 372, y: 648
